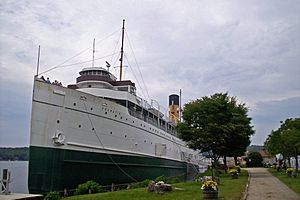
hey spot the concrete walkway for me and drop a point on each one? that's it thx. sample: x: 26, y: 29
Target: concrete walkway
x: 263, y: 185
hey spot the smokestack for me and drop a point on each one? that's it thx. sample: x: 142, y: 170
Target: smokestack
x: 174, y: 108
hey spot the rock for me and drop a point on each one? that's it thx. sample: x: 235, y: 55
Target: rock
x: 159, y: 187
x: 151, y: 186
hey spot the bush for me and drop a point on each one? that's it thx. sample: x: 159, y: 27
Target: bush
x: 88, y: 187
x: 52, y: 196
x: 254, y: 160
x: 173, y: 180
x: 144, y: 183
x: 161, y: 178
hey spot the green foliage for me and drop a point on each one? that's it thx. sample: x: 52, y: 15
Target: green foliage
x: 86, y: 188
x: 285, y: 140
x: 52, y: 196
x: 254, y: 160
x: 173, y: 180
x: 144, y: 183
x: 19, y: 153
x: 161, y: 178
x: 217, y: 124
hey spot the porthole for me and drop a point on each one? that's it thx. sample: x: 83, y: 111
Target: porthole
x: 74, y: 104
x: 106, y: 113
x: 116, y: 115
x: 151, y: 142
x: 57, y: 121
x: 90, y: 86
x: 79, y: 126
x: 132, y: 121
x: 145, y: 141
x: 126, y: 119
x: 93, y: 129
x: 110, y: 132
x: 91, y: 108
x: 125, y: 136
x: 141, y: 124
x: 121, y: 117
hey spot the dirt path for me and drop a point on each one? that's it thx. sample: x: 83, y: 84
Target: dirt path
x: 264, y: 186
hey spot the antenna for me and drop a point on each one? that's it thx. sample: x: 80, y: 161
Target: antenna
x: 38, y: 61
x: 93, y: 53
x: 121, y: 59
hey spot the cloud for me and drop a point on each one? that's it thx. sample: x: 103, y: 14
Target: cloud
x: 268, y: 115
x: 250, y: 49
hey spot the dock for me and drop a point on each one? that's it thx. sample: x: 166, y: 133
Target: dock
x: 13, y: 196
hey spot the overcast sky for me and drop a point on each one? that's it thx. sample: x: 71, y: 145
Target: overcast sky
x: 250, y: 49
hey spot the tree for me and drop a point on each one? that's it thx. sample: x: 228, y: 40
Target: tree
x: 285, y: 140
x: 216, y: 124
x: 239, y: 137
x: 254, y: 160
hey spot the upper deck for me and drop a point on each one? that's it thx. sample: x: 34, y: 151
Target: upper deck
x: 100, y: 82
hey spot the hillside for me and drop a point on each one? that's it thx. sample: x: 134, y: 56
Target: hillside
x: 18, y: 153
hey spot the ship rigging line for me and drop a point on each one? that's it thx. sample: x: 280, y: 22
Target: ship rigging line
x: 109, y: 156
x: 78, y: 63
x: 117, y: 44
x: 81, y: 52
x: 145, y: 86
x: 135, y: 76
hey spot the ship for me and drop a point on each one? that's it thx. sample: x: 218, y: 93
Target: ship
x: 99, y: 129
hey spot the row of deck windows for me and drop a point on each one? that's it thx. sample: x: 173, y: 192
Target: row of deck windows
x: 142, y: 125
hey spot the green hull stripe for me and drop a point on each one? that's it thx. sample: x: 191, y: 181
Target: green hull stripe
x: 55, y: 169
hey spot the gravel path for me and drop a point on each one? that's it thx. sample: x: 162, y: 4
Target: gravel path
x: 264, y: 186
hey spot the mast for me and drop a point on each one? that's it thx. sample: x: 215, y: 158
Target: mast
x: 121, y: 59
x: 38, y: 61
x: 180, y: 106
x: 93, y: 53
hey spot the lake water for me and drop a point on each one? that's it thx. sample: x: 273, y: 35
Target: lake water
x: 19, y: 175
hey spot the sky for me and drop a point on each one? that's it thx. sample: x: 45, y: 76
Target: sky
x: 250, y: 49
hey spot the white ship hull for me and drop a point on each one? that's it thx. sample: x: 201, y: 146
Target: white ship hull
x: 76, y: 136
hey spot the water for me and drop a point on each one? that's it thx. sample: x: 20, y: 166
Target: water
x: 19, y: 175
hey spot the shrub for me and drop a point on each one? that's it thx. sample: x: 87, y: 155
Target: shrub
x: 52, y: 196
x: 173, y: 180
x: 254, y: 160
x: 144, y: 183
x: 161, y: 178
x: 88, y: 187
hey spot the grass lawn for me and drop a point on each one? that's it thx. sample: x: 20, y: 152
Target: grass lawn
x: 229, y: 189
x: 293, y: 183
